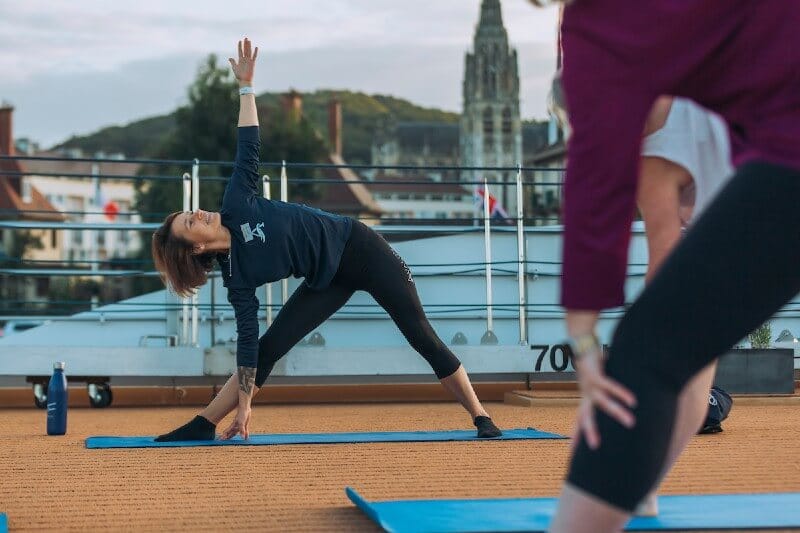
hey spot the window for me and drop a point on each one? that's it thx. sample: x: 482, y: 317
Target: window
x: 507, y: 121
x: 74, y: 207
x: 488, y: 122
x: 42, y: 286
x: 53, y: 239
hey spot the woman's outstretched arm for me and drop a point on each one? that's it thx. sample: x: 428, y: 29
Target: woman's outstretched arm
x: 245, y: 179
x: 245, y: 172
x: 243, y: 70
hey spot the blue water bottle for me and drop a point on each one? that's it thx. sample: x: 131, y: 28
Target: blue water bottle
x: 57, y: 401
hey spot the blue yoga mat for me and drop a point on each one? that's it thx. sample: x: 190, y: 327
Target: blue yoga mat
x: 729, y: 511
x: 321, y: 438
x: 3, y: 523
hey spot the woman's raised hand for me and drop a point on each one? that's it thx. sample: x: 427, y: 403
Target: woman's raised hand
x: 244, y: 67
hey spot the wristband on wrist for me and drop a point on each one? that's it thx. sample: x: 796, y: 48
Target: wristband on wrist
x: 586, y: 344
x: 247, y: 89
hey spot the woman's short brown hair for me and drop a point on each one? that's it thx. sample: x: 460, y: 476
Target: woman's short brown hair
x: 181, y: 270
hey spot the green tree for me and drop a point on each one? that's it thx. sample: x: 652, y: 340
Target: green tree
x: 294, y: 140
x: 12, y: 287
x: 205, y: 129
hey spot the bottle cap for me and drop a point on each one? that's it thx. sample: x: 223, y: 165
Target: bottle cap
x: 59, y: 365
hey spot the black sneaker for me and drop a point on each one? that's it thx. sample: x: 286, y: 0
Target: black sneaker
x: 486, y: 428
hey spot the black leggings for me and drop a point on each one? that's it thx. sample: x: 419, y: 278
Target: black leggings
x: 368, y: 263
x: 736, y: 267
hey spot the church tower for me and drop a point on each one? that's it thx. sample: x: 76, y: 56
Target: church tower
x: 490, y: 130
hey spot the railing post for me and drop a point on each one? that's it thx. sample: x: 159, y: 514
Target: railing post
x: 284, y: 198
x: 195, y: 207
x: 522, y: 267
x: 212, y: 322
x: 187, y: 206
x: 268, y: 286
x: 93, y: 252
x: 489, y: 337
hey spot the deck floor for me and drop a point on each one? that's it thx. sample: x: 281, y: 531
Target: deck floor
x: 54, y: 483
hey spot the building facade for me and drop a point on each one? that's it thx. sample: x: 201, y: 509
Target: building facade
x: 417, y: 199
x: 84, y: 199
x: 491, y: 129
x: 21, y: 201
x: 490, y: 132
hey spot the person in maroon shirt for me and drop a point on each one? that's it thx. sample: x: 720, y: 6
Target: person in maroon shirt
x: 738, y: 264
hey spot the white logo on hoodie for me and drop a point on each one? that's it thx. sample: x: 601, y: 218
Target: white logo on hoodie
x: 248, y: 232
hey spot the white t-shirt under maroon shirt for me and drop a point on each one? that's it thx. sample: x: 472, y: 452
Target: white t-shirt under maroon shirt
x: 697, y: 140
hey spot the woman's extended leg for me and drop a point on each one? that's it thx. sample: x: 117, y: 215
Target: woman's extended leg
x: 305, y: 310
x: 382, y: 273
x: 735, y: 268
x: 692, y: 409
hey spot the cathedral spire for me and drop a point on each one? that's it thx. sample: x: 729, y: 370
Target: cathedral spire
x: 491, y: 16
x: 490, y: 23
x: 490, y: 129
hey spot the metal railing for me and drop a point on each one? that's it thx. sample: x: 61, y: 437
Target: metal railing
x: 189, y: 308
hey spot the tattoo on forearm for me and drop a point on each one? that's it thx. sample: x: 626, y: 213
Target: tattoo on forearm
x: 247, y: 379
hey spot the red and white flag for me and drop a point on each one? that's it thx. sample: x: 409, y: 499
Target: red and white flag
x: 495, y: 208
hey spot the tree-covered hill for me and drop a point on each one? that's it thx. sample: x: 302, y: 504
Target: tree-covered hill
x: 362, y: 114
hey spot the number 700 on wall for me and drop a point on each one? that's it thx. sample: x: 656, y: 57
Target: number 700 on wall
x: 561, y: 357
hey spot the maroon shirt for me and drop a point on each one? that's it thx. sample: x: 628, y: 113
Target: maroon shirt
x: 740, y: 58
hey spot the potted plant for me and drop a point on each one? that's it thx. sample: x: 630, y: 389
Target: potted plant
x: 761, y: 337
x: 760, y: 369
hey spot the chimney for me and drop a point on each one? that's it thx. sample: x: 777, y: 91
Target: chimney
x: 335, y: 126
x: 6, y: 129
x: 293, y: 104
x: 7, y: 145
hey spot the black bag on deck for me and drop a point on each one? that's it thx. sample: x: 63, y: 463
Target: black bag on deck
x: 719, y: 406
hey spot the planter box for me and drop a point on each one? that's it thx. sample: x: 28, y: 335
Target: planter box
x: 757, y: 371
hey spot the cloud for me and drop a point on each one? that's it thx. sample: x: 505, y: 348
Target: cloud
x: 41, y: 37
x: 73, y: 67
x: 51, y: 107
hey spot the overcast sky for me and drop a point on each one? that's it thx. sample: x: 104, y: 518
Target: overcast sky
x: 73, y: 67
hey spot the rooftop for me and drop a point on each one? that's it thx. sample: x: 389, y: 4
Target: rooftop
x: 56, y: 483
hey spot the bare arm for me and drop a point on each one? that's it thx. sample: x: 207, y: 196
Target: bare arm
x: 658, y: 115
x: 244, y: 69
x: 658, y: 198
x: 247, y: 383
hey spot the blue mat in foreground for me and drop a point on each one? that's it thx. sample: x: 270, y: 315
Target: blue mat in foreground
x: 321, y: 438
x: 3, y: 523
x: 730, y: 511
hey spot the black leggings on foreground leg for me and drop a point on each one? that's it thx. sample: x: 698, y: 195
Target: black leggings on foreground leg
x: 736, y: 267
x: 368, y: 263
